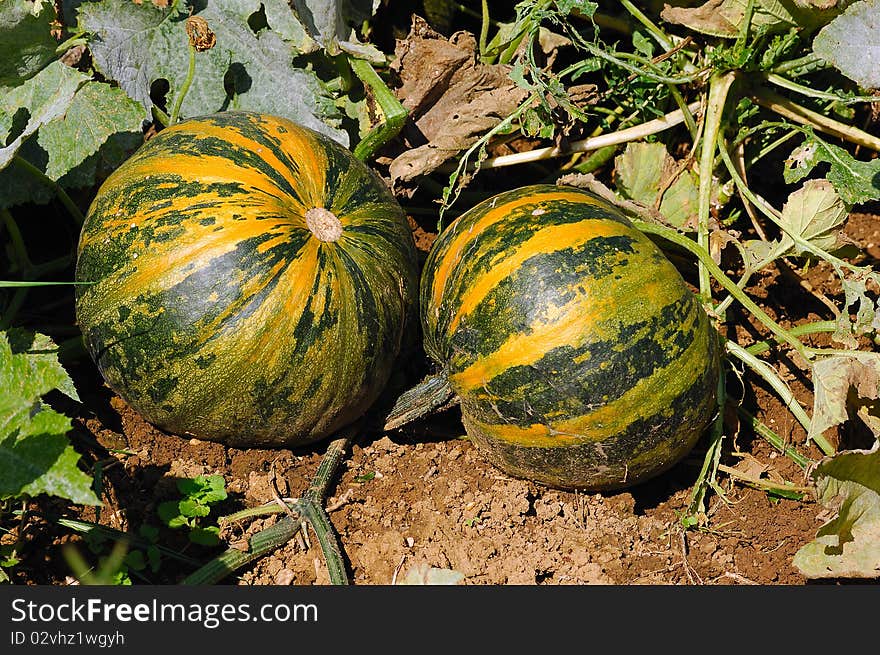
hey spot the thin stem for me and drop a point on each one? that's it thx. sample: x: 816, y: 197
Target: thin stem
x: 71, y: 207
x: 621, y: 61
x: 769, y: 375
x: 658, y: 34
x: 484, y: 28
x: 634, y: 133
x: 184, y: 88
x: 703, y: 256
x: 787, y: 84
x: 719, y: 86
x: 18, y: 248
x: 708, y: 471
x: 774, y: 439
x: 760, y: 347
x: 774, y: 216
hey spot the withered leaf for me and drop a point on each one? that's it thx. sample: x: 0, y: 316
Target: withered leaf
x: 452, y: 98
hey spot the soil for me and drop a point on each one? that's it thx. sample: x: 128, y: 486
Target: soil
x: 423, y: 496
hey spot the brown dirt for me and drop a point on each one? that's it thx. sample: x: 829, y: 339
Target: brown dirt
x: 424, y: 495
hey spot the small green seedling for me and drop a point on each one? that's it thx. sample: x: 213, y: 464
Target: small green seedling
x: 197, y: 496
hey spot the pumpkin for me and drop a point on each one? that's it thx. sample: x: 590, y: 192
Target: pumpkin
x: 580, y: 357
x: 245, y: 280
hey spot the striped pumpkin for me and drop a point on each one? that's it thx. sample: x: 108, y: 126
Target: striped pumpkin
x: 580, y: 357
x: 250, y: 281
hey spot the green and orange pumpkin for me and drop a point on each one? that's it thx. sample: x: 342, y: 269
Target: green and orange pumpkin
x: 246, y: 280
x: 580, y: 357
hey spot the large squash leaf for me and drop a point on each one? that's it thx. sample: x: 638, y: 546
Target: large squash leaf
x: 847, y: 546
x: 329, y: 23
x: 35, y: 454
x: 41, y: 99
x: 138, y: 44
x: 26, y: 42
x: 851, y: 43
x: 68, y: 127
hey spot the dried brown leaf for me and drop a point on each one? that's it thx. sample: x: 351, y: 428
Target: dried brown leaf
x: 452, y: 98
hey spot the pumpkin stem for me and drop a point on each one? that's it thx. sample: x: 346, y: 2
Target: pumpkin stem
x: 323, y: 224
x: 430, y: 395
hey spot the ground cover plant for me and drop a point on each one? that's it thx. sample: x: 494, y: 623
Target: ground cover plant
x: 739, y: 135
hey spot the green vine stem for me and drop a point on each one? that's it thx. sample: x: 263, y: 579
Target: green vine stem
x: 773, y: 215
x: 309, y: 508
x: 393, y: 112
x: 719, y: 86
x: 71, y: 207
x: 633, y: 133
x: 769, y: 375
x: 658, y: 34
x: 19, y: 251
x: 184, y: 88
x: 774, y: 439
x: 715, y: 271
x: 706, y: 479
x: 484, y: 30
x: 760, y: 347
x: 785, y: 83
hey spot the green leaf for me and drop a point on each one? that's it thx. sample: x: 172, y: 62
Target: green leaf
x: 135, y: 560
x: 851, y: 43
x: 97, y: 112
x: 280, y: 18
x: 856, y: 181
x: 43, y: 354
x: 207, y: 536
x: 330, y: 23
x: 42, y: 98
x: 581, y: 7
x: 203, y: 489
x: 137, y: 44
x: 18, y: 186
x: 848, y: 546
x: 816, y: 213
x: 169, y: 512
x: 26, y: 42
x: 35, y: 455
x: 149, y: 532
x: 192, y: 508
x: 643, y: 171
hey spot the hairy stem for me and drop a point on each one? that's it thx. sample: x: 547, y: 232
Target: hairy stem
x: 309, y: 508
x: 715, y: 271
x: 719, y: 86
x: 774, y: 439
x: 184, y: 88
x: 769, y: 375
